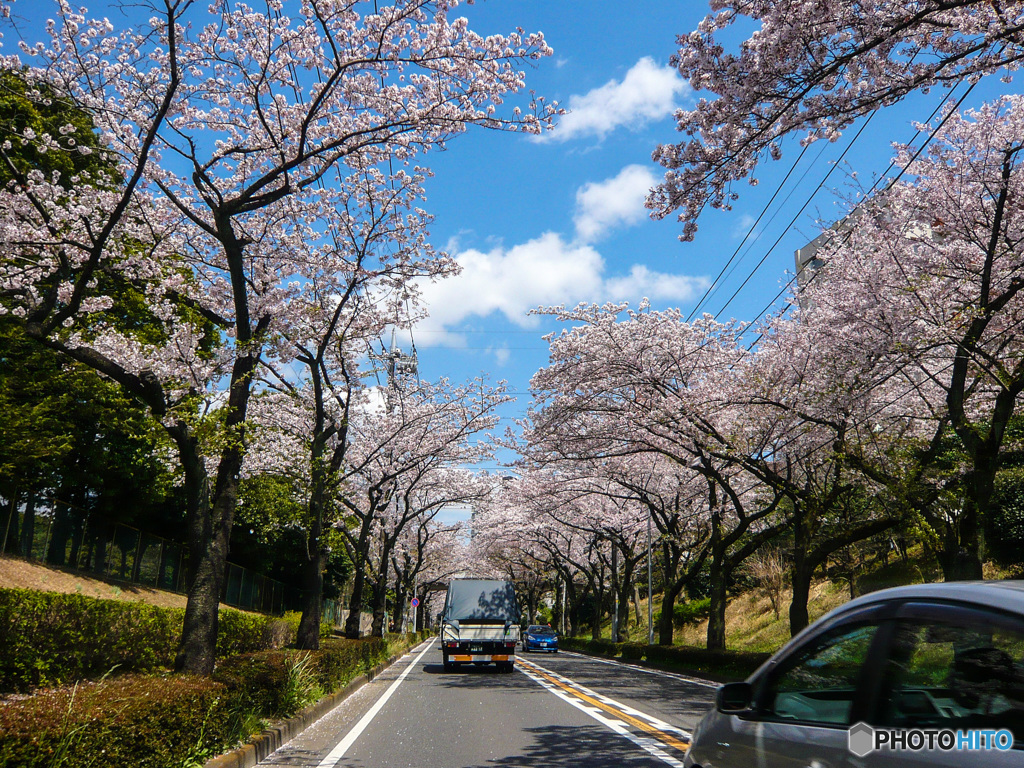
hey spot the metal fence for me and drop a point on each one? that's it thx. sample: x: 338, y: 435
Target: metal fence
x: 62, y: 535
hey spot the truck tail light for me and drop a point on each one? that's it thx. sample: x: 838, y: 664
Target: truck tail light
x: 510, y: 644
x: 452, y: 645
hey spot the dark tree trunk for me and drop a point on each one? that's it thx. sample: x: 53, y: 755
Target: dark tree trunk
x: 801, y: 573
x: 10, y: 535
x: 353, y: 622
x: 315, y: 561
x: 208, y: 533
x: 596, y: 615
x: 355, y: 608
x: 60, y: 531
x: 799, y: 616
x: 28, y: 526
x: 668, y: 607
x: 719, y: 600
x: 308, y: 635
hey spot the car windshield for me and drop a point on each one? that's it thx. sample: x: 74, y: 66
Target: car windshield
x: 536, y: 630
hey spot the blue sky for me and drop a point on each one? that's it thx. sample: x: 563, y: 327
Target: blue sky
x: 561, y: 220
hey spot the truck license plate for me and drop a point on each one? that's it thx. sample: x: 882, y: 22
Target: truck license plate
x: 475, y: 648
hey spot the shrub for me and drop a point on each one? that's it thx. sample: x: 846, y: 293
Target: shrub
x: 52, y: 638
x: 280, y: 683
x: 691, y: 612
x: 633, y: 651
x: 131, y: 721
x: 176, y: 721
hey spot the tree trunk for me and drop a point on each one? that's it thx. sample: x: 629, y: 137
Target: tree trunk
x: 308, y: 635
x: 596, y: 614
x: 360, y: 556
x: 10, y: 537
x: 801, y: 574
x: 668, y: 609
x: 719, y: 600
x: 209, y: 530
x: 60, y: 530
x: 380, y: 608
x: 28, y: 526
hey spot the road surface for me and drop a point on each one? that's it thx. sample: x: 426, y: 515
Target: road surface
x: 553, y: 711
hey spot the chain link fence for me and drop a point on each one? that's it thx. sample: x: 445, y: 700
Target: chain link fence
x: 65, y: 536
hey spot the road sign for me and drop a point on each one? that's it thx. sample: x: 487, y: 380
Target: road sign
x: 415, y: 602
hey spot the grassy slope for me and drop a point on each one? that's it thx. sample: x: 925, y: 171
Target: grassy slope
x: 22, y: 574
x: 751, y: 624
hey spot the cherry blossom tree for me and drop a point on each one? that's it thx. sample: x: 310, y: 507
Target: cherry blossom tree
x: 225, y: 123
x: 810, y: 69
x: 922, y: 295
x: 648, y: 383
x: 346, y: 293
x: 405, y: 462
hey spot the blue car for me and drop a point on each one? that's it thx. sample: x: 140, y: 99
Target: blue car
x: 540, y: 638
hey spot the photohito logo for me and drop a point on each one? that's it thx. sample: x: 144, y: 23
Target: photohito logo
x: 863, y: 739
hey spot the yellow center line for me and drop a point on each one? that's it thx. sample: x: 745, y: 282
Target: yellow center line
x: 657, y: 733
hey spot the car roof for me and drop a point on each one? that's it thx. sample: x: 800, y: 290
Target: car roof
x: 1004, y: 595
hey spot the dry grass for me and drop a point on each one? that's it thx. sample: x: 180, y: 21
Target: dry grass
x: 750, y: 623
x: 22, y: 574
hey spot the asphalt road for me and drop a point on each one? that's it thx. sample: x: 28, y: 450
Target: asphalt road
x: 553, y: 711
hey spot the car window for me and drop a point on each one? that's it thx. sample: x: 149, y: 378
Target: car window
x: 540, y: 631
x: 818, y: 684
x: 962, y: 675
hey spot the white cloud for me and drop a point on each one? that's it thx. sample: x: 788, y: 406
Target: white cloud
x: 502, y: 354
x: 545, y: 271
x: 658, y: 286
x: 647, y: 92
x: 618, y: 200
x: 744, y: 227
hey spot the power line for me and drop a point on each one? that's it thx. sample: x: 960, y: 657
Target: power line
x: 889, y: 184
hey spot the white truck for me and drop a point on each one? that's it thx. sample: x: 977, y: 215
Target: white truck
x: 480, y: 624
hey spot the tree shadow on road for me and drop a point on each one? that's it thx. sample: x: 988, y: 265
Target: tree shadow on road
x: 586, y: 746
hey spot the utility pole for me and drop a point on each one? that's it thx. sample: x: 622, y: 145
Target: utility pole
x: 399, y: 367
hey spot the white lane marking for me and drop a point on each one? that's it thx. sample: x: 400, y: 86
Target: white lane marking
x: 661, y: 725
x: 647, y: 744
x: 335, y: 755
x: 646, y: 670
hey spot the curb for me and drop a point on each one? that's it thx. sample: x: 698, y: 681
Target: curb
x: 275, y: 737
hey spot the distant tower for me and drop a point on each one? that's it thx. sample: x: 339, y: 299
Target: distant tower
x: 400, y: 368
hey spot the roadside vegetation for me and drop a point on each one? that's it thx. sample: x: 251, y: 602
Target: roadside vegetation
x: 87, y: 681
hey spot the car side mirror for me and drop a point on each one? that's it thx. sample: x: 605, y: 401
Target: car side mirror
x: 734, y: 698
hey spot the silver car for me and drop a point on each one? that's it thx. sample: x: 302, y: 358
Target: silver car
x: 925, y: 675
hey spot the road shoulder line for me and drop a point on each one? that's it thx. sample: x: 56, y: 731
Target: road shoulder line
x: 265, y: 744
x: 338, y: 752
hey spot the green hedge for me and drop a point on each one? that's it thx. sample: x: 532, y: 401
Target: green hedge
x: 279, y: 683
x: 149, y: 722
x: 724, y: 663
x: 51, y: 638
x: 178, y: 721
